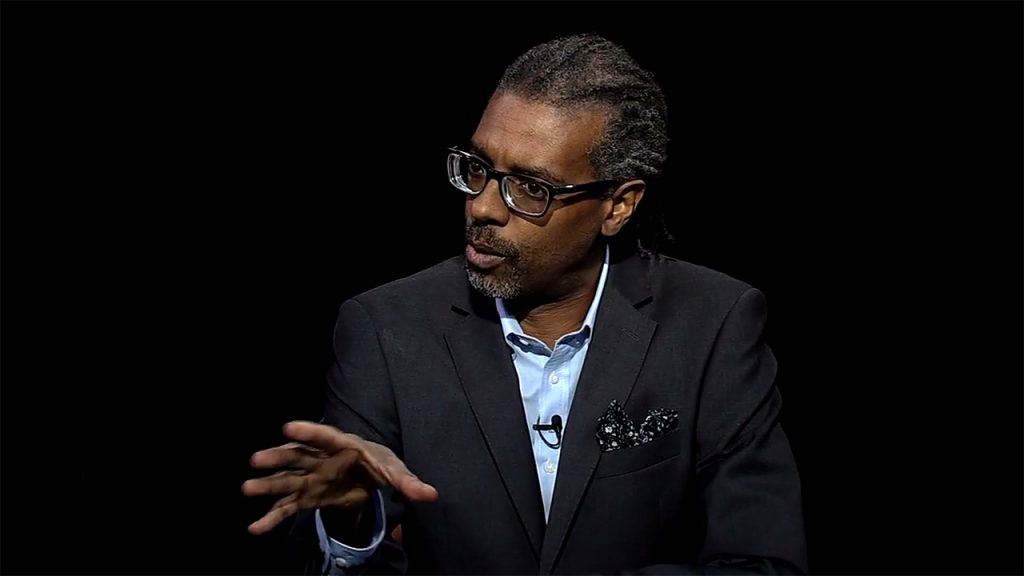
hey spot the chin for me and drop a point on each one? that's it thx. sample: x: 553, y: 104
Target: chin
x: 493, y: 284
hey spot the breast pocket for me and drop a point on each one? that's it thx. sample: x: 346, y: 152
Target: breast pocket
x: 636, y: 458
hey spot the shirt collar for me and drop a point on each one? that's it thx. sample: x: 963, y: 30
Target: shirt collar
x: 510, y: 325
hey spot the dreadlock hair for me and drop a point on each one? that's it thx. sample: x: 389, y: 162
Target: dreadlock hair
x: 585, y: 71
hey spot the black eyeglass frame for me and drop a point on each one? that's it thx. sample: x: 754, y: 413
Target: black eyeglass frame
x: 495, y: 174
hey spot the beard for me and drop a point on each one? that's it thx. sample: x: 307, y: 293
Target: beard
x: 505, y: 281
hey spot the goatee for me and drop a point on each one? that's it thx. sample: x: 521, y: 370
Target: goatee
x: 505, y: 282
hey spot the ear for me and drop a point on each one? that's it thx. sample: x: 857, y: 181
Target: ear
x: 624, y: 202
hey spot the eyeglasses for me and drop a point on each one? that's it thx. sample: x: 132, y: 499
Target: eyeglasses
x: 526, y: 195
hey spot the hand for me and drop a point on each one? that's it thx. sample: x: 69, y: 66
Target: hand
x: 327, y: 467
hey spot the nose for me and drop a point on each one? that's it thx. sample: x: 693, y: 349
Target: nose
x: 487, y: 207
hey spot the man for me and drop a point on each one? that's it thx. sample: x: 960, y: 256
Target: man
x: 555, y: 400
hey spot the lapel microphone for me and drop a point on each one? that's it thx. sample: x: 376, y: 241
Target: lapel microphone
x: 555, y: 426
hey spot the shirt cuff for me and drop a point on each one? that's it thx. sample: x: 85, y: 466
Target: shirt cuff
x: 338, y: 557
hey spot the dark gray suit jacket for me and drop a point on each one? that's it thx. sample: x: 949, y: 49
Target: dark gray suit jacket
x: 422, y: 367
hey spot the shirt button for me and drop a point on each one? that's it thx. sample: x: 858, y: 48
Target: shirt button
x: 341, y: 563
x: 549, y: 467
x: 554, y: 379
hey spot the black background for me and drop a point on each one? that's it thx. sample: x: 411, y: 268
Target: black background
x: 190, y: 190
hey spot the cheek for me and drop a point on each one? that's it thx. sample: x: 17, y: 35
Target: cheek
x: 531, y: 245
x: 573, y: 235
x: 547, y: 254
x: 559, y: 244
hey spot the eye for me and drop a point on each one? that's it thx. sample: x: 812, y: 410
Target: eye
x: 476, y: 168
x: 534, y: 189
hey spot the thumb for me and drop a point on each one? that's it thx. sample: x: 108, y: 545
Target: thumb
x: 393, y: 472
x: 388, y: 469
x: 413, y: 488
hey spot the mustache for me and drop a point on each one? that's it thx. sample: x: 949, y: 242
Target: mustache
x: 487, y: 236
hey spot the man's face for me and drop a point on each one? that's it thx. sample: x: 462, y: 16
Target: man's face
x: 512, y: 256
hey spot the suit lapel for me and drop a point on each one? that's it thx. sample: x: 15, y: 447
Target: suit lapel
x: 488, y: 376
x: 621, y: 338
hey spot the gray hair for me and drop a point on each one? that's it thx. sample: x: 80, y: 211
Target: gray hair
x: 588, y: 70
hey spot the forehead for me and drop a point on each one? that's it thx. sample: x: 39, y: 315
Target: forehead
x: 518, y: 133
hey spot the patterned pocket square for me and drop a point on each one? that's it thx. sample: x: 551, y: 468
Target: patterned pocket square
x: 615, y: 430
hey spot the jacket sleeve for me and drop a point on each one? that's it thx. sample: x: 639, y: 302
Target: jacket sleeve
x: 359, y: 400
x: 749, y: 486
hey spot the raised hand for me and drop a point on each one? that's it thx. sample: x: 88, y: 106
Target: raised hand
x: 326, y: 468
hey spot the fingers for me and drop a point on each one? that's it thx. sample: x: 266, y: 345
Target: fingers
x: 379, y: 461
x: 281, y: 510
x: 283, y: 482
x: 353, y: 497
x: 292, y: 455
x: 321, y: 436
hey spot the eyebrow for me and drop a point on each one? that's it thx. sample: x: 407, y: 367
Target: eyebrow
x: 535, y: 171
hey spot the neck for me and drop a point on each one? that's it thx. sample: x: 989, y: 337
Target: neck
x: 549, y: 320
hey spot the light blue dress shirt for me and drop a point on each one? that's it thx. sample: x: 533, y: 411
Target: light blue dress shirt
x: 339, y: 558
x: 547, y: 383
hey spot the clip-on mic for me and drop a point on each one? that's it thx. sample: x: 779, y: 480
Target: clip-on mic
x: 556, y: 426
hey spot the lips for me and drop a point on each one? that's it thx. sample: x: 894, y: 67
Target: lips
x: 485, y: 249
x: 483, y: 257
